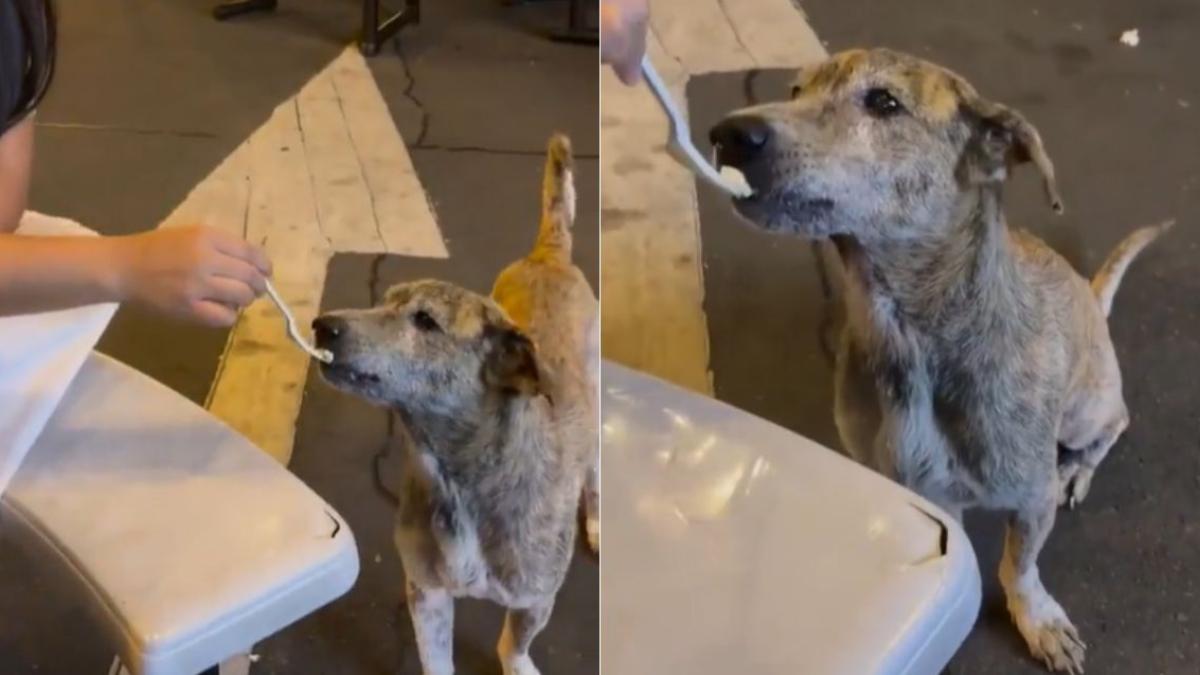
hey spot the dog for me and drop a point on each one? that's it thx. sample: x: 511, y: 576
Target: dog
x: 499, y: 396
x: 971, y: 351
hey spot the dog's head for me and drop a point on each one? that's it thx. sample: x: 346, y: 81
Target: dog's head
x: 873, y: 144
x: 429, y: 348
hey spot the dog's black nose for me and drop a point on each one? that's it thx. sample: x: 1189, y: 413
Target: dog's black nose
x: 739, y: 139
x: 328, y: 329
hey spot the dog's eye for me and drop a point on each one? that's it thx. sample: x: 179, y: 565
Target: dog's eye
x: 881, y: 103
x: 796, y: 90
x: 423, y: 321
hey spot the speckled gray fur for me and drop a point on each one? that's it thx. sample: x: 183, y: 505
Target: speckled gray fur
x: 971, y: 350
x: 498, y: 395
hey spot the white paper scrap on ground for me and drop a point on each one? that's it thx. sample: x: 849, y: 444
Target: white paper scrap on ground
x: 39, y: 357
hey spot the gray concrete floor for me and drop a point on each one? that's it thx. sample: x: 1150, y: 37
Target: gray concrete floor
x: 1122, y: 126
x: 165, y: 93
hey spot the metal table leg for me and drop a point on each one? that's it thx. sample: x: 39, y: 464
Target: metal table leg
x: 374, y: 33
x: 578, y: 29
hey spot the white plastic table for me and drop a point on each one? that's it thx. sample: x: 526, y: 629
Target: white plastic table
x: 187, y: 543
x: 733, y: 545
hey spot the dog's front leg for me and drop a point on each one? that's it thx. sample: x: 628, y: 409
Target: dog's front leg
x: 432, y: 612
x: 520, y: 627
x: 1049, y: 633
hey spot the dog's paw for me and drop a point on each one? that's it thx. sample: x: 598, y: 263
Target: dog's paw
x: 520, y: 665
x: 1051, y: 636
x: 593, y: 533
x: 1057, y: 645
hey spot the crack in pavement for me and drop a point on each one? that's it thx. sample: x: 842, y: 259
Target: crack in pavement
x: 408, y: 92
x: 385, y: 448
x: 427, y: 119
x: 373, y: 279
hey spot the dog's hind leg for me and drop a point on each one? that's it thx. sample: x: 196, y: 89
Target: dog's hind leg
x: 591, y: 504
x: 1094, y: 419
x: 432, y: 612
x: 1041, y: 620
x: 1075, y: 486
x: 520, y: 627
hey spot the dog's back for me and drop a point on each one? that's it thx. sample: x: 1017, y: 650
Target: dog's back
x: 548, y: 297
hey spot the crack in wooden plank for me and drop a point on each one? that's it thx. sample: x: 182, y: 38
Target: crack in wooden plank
x: 736, y: 35
x: 312, y: 181
x: 362, y: 169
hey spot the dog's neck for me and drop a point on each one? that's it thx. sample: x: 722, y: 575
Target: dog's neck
x: 954, y: 278
x: 502, y: 429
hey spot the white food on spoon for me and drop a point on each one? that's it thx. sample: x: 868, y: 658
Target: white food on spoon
x: 733, y: 176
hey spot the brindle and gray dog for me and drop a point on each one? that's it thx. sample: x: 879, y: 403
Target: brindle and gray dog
x: 971, y: 350
x: 499, y: 397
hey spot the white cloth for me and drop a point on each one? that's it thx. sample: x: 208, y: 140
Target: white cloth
x: 39, y: 356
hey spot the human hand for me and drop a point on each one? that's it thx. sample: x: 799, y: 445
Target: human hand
x: 623, y: 28
x: 196, y: 273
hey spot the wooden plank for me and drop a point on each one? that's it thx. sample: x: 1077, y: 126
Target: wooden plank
x: 343, y: 199
x: 698, y: 35
x: 219, y: 200
x: 327, y: 172
x: 259, y: 383
x: 651, y: 270
x: 653, y: 292
x: 774, y: 32
x: 405, y: 218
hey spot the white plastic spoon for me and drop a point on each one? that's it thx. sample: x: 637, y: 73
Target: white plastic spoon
x: 293, y: 331
x: 679, y: 142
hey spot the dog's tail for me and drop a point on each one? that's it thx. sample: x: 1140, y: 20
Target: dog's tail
x: 1106, y: 281
x: 558, y: 201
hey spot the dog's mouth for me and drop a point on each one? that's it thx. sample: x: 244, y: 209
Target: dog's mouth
x: 785, y: 211
x: 734, y: 177
x: 339, y: 373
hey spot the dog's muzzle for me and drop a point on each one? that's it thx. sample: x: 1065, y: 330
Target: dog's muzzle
x: 328, y: 331
x: 740, y: 140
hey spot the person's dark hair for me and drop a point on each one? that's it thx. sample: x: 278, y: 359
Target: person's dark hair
x: 28, y: 45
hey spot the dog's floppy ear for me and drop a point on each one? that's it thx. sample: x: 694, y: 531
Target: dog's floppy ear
x: 1005, y: 137
x: 511, y: 362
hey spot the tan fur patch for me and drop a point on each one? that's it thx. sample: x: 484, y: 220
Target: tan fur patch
x: 468, y: 320
x: 834, y: 72
x: 938, y: 99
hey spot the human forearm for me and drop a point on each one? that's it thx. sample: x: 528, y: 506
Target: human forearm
x: 16, y: 157
x: 623, y: 28
x: 195, y: 273
x: 47, y: 273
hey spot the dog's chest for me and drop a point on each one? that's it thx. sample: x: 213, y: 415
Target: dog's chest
x: 452, y: 560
